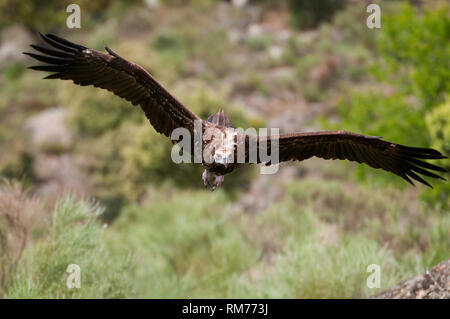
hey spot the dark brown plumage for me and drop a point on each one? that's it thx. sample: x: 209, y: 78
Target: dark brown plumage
x: 109, y: 71
x: 401, y: 160
x: 70, y: 61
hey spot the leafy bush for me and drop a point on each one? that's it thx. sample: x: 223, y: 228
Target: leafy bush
x: 260, y: 42
x: 74, y: 237
x: 381, y: 114
x: 19, y: 213
x: 13, y: 71
x: 23, y: 95
x: 416, y: 48
x: 438, y: 124
x: 103, y: 161
x: 194, y: 244
x: 171, y: 49
x: 307, y: 14
x: 178, y: 47
x: 51, y: 15
x: 350, y: 22
x: 15, y: 107
x: 95, y: 112
x: 40, y: 93
x: 198, y: 4
x: 414, y: 55
x: 314, y: 270
x: 184, y: 243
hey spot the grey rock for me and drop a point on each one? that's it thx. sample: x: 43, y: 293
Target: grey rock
x: 48, y: 131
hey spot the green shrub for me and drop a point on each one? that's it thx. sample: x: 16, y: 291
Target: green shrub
x: 195, y: 244
x: 307, y: 14
x: 146, y: 159
x: 260, y: 42
x: 93, y: 112
x: 51, y: 15
x: 351, y: 22
x: 252, y: 81
x: 413, y: 49
x: 14, y: 71
x: 17, y: 163
x: 381, y: 114
x: 74, y: 237
x: 19, y: 213
x: 171, y: 49
x: 197, y: 4
x: 179, y: 46
x: 438, y: 124
x: 313, y: 93
x: 103, y: 162
x: 185, y: 244
x: 38, y: 93
x: 314, y: 270
x: 22, y: 94
x: 416, y: 48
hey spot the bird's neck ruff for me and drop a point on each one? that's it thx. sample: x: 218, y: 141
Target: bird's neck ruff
x: 221, y: 144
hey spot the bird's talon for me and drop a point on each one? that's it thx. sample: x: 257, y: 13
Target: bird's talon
x: 206, y: 177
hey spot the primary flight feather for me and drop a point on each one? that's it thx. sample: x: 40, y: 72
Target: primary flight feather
x: 84, y: 66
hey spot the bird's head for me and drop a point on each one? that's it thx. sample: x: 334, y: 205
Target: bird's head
x: 224, y: 156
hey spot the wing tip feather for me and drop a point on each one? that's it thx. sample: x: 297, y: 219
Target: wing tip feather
x: 111, y: 52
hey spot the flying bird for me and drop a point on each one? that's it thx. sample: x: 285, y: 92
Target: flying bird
x: 107, y: 70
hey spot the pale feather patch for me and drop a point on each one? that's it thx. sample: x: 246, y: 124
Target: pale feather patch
x: 226, y: 146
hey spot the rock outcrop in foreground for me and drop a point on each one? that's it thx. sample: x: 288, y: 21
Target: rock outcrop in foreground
x: 433, y: 284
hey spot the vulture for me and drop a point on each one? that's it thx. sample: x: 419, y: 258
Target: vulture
x: 107, y: 70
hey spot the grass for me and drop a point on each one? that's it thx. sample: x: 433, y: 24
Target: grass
x: 18, y: 213
x: 73, y: 237
x: 197, y: 244
x: 200, y: 245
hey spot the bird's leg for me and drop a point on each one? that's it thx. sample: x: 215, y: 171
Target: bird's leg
x: 206, y: 176
x: 218, y: 180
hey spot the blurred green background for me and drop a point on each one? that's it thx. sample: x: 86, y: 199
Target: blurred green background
x: 87, y: 181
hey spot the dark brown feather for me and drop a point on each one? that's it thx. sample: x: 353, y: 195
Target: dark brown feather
x: 109, y: 71
x: 220, y: 118
x: 404, y: 161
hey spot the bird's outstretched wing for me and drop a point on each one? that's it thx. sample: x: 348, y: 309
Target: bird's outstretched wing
x: 84, y: 66
x: 401, y: 160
